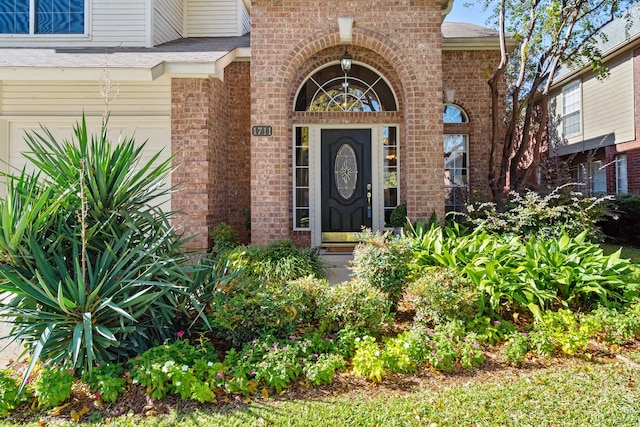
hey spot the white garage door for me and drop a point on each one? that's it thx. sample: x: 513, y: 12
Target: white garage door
x: 156, y: 131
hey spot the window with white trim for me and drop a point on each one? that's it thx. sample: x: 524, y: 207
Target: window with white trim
x: 42, y: 17
x: 391, y: 172
x: 456, y: 161
x: 622, y: 184
x: 301, y: 194
x: 571, y: 100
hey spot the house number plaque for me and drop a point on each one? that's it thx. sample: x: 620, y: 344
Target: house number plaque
x: 261, y: 131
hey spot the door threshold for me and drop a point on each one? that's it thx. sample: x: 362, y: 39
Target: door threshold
x: 335, y: 247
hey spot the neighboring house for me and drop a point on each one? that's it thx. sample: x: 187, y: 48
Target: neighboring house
x: 594, y: 123
x: 267, y: 125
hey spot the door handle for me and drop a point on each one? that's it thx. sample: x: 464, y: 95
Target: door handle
x: 368, y: 200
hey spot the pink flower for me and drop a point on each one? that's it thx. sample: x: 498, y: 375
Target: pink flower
x: 180, y: 334
x: 219, y: 375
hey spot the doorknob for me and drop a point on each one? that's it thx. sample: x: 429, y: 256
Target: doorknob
x: 368, y: 200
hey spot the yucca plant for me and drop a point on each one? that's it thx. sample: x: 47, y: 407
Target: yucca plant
x: 89, y: 265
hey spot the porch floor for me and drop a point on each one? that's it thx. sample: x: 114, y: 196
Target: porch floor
x: 338, y: 268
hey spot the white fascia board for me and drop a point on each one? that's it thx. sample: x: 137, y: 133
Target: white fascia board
x: 73, y: 74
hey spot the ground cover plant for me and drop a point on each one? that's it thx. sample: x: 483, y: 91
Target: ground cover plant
x: 115, y: 316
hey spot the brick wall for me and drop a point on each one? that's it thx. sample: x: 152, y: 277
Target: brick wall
x: 467, y: 72
x: 210, y: 127
x: 238, y: 86
x: 402, y: 37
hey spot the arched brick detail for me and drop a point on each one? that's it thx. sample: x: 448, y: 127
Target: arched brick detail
x: 325, y: 44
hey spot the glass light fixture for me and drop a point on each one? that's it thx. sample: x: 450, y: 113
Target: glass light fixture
x: 345, y: 62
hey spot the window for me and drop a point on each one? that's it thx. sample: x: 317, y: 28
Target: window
x: 456, y: 167
x: 622, y: 185
x: 596, y: 178
x: 362, y: 90
x: 453, y: 114
x: 301, y: 184
x: 571, y: 108
x: 391, y: 187
x: 42, y: 16
x: 456, y: 181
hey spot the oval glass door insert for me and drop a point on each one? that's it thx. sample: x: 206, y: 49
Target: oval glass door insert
x: 346, y: 171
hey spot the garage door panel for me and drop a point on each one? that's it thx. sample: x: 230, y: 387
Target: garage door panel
x: 156, y: 133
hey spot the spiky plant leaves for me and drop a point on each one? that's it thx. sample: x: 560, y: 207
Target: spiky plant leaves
x: 90, y: 268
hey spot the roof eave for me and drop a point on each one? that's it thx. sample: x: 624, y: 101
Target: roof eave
x: 211, y: 69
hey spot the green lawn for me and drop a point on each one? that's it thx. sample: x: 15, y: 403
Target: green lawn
x: 570, y: 393
x: 627, y: 251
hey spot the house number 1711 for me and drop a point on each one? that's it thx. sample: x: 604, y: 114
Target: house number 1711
x: 261, y: 131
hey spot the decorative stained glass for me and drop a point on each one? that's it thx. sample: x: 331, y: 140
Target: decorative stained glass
x: 346, y: 171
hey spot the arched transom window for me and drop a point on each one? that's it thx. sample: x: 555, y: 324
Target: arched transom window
x: 362, y: 90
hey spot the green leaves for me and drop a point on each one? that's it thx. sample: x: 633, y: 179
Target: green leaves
x: 90, y: 264
x: 537, y: 275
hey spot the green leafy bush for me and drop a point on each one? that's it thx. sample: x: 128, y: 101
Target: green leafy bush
x: 382, y: 260
x: 620, y: 326
x: 567, y: 331
x: 322, y: 370
x: 398, y: 216
x: 404, y: 353
x: 538, y: 275
x: 106, y: 379
x: 354, y: 304
x: 9, y: 387
x: 534, y: 215
x: 441, y: 294
x: 87, y: 255
x: 224, y: 238
x: 277, y: 262
x: 245, y: 308
x: 53, y: 386
x: 368, y: 361
x: 179, y: 368
x: 516, y: 348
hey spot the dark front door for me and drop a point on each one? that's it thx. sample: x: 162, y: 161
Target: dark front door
x: 346, y: 182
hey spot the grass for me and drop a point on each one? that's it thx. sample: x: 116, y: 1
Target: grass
x: 571, y: 393
x: 627, y: 251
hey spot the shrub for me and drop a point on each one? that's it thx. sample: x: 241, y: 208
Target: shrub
x: 622, y: 224
x: 398, y: 216
x: 354, y: 304
x: 9, y: 387
x: 404, y: 353
x: 620, y: 326
x: 537, y: 275
x: 516, y: 348
x: 106, y: 379
x: 567, y: 331
x: 53, y: 386
x: 368, y: 361
x: 246, y: 308
x: 224, y: 238
x: 277, y: 262
x: 441, y: 294
x: 531, y: 214
x: 383, y: 261
x: 88, y: 256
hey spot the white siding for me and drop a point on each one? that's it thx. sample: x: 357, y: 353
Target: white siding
x: 607, y: 105
x: 167, y: 21
x: 213, y: 18
x: 109, y: 23
x: 41, y: 98
x: 246, y: 19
